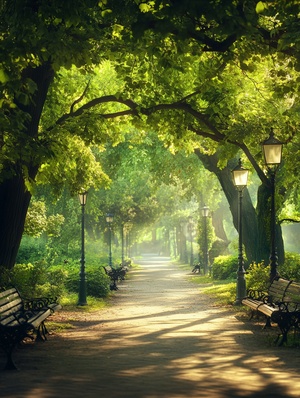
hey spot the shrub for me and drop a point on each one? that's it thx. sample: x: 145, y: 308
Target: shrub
x: 291, y: 267
x: 258, y: 277
x: 97, y: 282
x: 224, y: 267
x: 31, y: 250
x: 34, y: 280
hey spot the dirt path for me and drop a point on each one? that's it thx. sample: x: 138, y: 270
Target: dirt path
x: 160, y: 338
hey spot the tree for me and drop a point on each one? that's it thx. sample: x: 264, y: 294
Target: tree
x: 144, y: 39
x: 37, y: 40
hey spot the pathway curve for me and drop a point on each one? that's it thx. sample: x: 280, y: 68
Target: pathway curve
x: 160, y: 338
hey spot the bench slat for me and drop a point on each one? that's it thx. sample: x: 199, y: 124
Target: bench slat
x: 8, y: 292
x: 12, y: 306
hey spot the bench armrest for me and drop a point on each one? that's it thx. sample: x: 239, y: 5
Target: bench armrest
x: 256, y: 294
x: 38, y: 303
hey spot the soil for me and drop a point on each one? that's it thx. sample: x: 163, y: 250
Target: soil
x: 161, y: 336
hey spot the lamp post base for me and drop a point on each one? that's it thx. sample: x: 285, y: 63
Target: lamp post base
x: 82, y: 291
x: 240, y: 287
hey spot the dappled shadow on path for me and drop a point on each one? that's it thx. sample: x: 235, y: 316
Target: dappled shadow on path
x: 170, y: 343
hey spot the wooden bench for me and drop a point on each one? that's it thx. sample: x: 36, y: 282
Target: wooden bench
x: 280, y: 305
x: 115, y: 274
x: 197, y: 268
x: 20, y: 318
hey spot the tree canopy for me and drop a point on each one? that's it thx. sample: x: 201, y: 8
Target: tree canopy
x: 206, y: 76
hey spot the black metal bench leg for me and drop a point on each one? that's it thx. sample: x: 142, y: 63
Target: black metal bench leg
x: 44, y: 330
x: 41, y: 333
x: 283, y: 339
x: 252, y: 313
x: 268, y: 323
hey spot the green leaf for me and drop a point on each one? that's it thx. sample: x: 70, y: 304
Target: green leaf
x: 144, y: 7
x: 3, y: 76
x: 260, y: 7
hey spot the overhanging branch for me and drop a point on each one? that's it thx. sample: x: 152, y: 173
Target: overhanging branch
x: 133, y: 109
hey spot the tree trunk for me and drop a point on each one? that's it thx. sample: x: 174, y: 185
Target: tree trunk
x: 249, y: 218
x: 14, y: 196
x: 217, y: 222
x: 256, y: 223
x: 264, y: 227
x: 14, y: 202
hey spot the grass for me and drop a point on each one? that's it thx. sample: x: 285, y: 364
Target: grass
x: 223, y: 291
x: 69, y: 302
x: 59, y: 327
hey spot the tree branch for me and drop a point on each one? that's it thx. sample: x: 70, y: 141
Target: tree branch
x: 213, y: 133
x: 288, y: 220
x: 97, y: 101
x: 80, y: 98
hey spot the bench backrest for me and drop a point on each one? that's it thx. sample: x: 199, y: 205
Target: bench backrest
x: 277, y: 289
x: 10, y: 304
x: 293, y: 293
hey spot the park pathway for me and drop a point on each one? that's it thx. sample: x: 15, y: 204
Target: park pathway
x: 160, y: 338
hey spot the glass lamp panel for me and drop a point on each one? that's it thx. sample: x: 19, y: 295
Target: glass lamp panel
x: 82, y: 198
x: 240, y: 177
x: 273, y: 154
x: 205, y: 211
x: 109, y: 218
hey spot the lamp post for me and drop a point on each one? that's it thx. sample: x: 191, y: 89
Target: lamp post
x: 272, y: 149
x: 82, y: 283
x: 190, y: 225
x: 240, y: 179
x: 109, y: 220
x: 205, y: 214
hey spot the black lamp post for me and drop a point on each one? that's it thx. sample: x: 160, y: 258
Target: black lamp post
x: 240, y: 179
x: 82, y: 282
x: 109, y: 220
x: 272, y: 149
x: 205, y: 214
x: 190, y: 226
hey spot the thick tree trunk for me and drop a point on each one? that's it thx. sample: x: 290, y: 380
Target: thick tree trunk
x: 14, y: 202
x: 256, y: 223
x: 14, y: 196
x: 217, y: 222
x: 264, y: 227
x: 249, y: 218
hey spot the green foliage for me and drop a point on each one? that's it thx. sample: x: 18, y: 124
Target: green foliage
x: 258, y: 277
x: 70, y: 302
x: 223, y: 292
x: 54, y: 225
x: 97, y: 282
x: 37, y: 279
x: 32, y: 249
x: 34, y: 280
x: 291, y: 267
x: 35, y: 223
x: 224, y: 267
x: 228, y: 98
